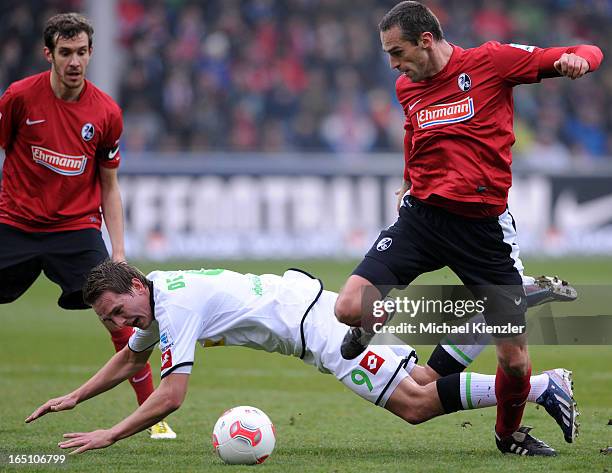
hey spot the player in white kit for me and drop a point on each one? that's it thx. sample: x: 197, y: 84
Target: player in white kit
x: 290, y: 314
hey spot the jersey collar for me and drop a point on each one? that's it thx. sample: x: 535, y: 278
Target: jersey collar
x: 151, y: 299
x: 451, y: 61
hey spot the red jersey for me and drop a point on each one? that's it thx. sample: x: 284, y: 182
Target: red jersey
x: 459, y: 123
x: 53, y: 148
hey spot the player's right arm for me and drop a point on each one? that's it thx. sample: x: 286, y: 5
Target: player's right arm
x: 120, y: 367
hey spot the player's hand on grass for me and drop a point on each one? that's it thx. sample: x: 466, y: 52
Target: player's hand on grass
x: 571, y: 65
x: 57, y: 404
x: 87, y: 440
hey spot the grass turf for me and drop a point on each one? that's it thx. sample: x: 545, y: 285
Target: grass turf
x: 321, y: 426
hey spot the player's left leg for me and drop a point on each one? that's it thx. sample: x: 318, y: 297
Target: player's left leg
x: 484, y: 254
x: 455, y: 352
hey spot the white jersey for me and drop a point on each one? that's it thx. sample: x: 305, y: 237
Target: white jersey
x: 221, y: 307
x: 289, y: 314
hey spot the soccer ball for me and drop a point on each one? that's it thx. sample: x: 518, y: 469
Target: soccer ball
x: 244, y: 435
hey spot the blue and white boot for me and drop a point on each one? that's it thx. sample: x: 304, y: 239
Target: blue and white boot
x: 558, y: 400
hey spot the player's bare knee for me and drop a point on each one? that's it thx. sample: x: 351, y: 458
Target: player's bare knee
x: 409, y: 402
x: 416, y: 412
x: 414, y: 417
x: 515, y: 366
x: 348, y: 309
x: 424, y: 375
x: 513, y: 357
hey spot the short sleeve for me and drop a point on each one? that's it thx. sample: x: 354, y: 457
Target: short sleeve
x: 515, y: 63
x: 179, y: 331
x: 9, y: 112
x: 144, y: 340
x: 107, y: 153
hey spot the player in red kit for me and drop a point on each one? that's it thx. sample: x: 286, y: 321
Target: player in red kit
x: 61, y: 136
x: 453, y: 203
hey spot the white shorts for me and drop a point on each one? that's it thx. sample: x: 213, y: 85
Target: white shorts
x: 373, y: 375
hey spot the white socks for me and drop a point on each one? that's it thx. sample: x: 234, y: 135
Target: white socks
x: 478, y: 390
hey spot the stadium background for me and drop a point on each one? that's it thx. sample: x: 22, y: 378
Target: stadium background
x: 269, y: 129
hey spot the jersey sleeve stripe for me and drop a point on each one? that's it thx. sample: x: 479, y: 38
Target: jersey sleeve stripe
x: 150, y: 347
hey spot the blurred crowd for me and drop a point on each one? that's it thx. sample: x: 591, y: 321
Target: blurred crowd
x: 310, y: 75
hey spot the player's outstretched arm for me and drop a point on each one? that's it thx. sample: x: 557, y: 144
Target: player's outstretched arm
x: 573, y: 61
x: 167, y: 398
x: 120, y: 367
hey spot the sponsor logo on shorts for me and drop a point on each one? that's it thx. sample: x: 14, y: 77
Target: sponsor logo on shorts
x: 444, y: 113
x: 166, y: 360
x: 384, y: 244
x: 88, y: 131
x: 464, y: 82
x: 60, y: 163
x: 371, y: 362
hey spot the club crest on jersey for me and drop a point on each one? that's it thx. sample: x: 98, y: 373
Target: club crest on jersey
x: 446, y: 113
x: 87, y: 132
x: 60, y: 163
x: 464, y: 82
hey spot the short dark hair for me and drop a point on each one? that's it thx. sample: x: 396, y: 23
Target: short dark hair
x: 67, y: 26
x: 110, y: 276
x: 413, y: 18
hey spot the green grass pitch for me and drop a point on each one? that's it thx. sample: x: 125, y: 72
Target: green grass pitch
x: 321, y: 426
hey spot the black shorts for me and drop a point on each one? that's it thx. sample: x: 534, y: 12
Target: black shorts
x: 66, y: 258
x: 482, y: 252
